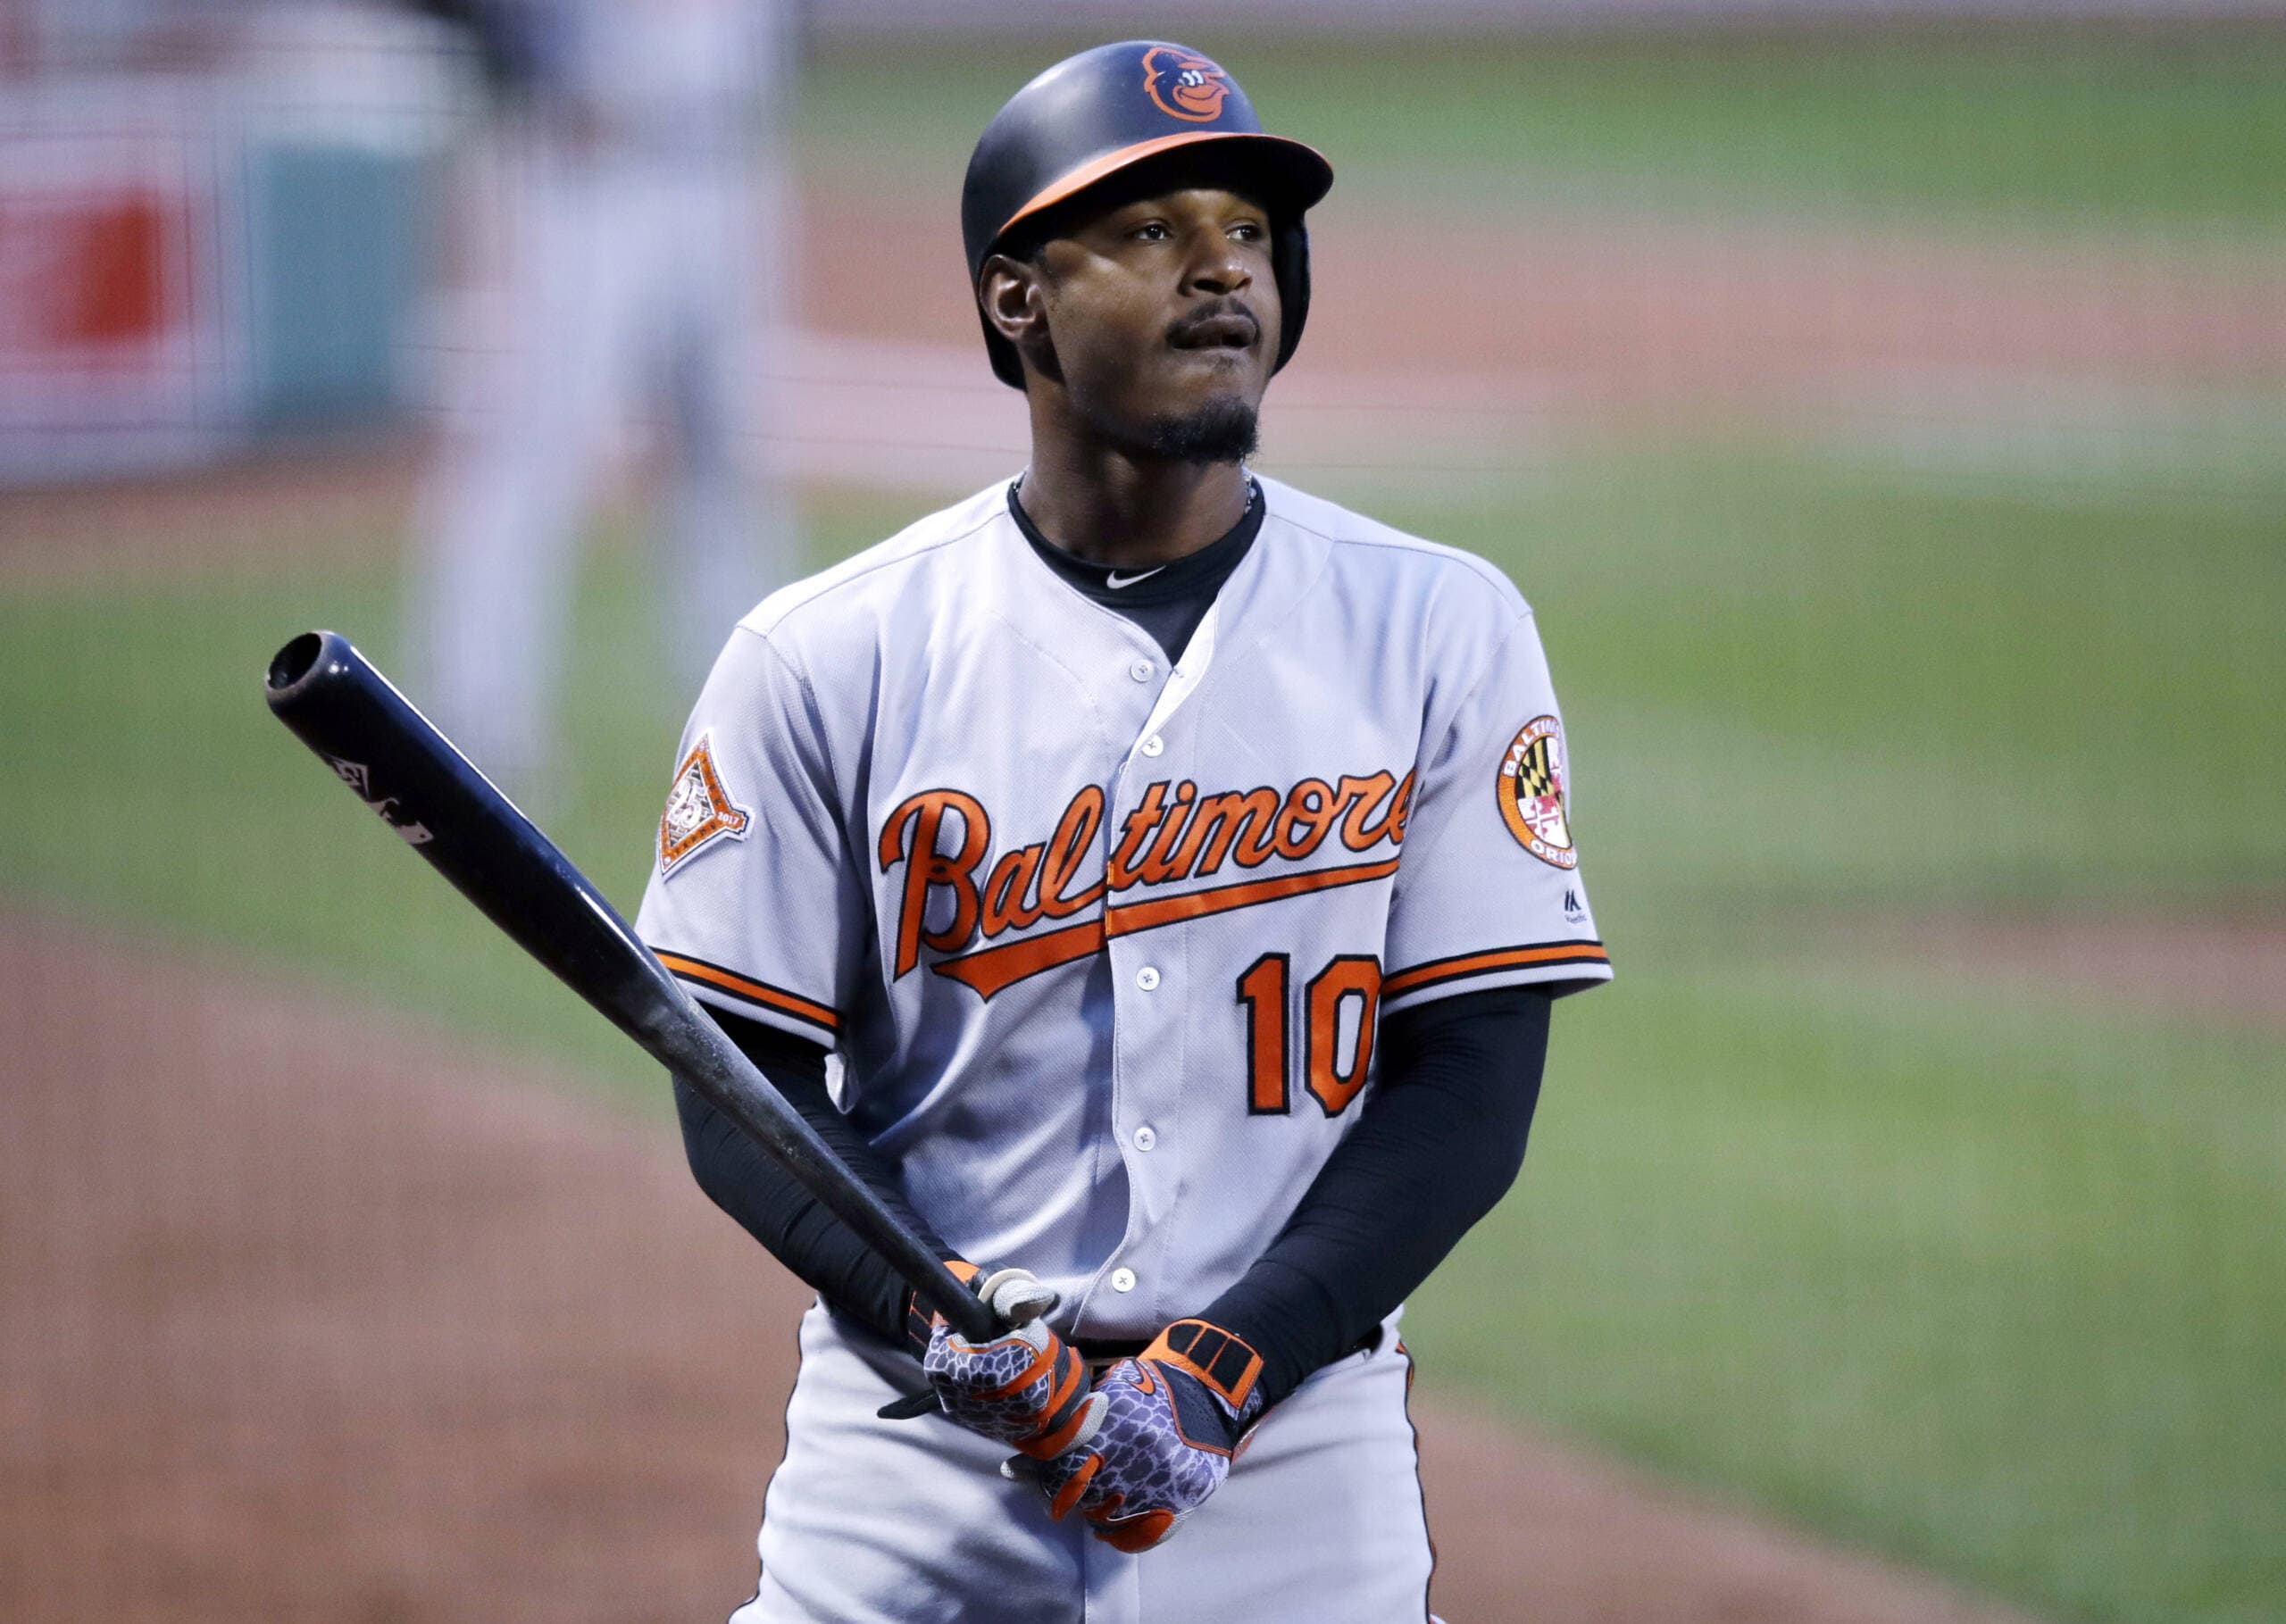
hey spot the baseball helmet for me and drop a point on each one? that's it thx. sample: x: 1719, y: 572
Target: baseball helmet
x: 1103, y: 113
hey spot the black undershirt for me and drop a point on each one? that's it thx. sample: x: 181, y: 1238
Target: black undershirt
x: 1438, y: 1141
x: 1169, y: 600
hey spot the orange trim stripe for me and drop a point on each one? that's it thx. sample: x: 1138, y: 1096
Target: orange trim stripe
x: 757, y: 992
x: 1481, y: 963
x: 1221, y: 899
x: 992, y: 969
x: 1088, y: 173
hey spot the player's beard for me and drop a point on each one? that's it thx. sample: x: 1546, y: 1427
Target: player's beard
x: 1224, y: 430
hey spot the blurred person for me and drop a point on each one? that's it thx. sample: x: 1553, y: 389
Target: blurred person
x: 632, y: 185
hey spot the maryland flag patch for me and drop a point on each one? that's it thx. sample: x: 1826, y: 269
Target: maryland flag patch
x: 1531, y: 788
x: 700, y: 809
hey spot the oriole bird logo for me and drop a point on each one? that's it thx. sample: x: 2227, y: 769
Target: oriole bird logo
x: 1184, y: 85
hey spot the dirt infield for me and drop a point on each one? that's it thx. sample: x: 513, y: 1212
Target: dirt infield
x: 306, y: 1318
x: 1623, y: 306
x: 2227, y: 968
x: 283, y: 505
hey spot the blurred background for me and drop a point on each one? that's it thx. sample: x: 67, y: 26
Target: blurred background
x: 1881, y: 403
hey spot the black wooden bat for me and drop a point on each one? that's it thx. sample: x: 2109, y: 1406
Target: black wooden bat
x: 396, y: 762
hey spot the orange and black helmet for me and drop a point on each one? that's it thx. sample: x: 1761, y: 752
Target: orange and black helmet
x: 1129, y: 109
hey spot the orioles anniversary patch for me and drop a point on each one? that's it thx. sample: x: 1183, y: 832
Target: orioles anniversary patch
x: 1531, y: 788
x: 699, y: 808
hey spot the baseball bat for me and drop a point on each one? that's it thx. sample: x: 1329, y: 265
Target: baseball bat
x: 396, y: 762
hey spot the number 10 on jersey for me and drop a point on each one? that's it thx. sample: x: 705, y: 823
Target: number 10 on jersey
x: 1342, y: 997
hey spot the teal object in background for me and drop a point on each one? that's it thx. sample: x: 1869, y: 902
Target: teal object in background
x: 336, y: 237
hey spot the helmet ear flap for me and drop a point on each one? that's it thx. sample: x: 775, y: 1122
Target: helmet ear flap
x: 1290, y: 262
x: 1006, y: 366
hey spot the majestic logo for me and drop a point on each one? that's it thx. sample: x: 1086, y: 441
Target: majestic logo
x: 1184, y: 85
x: 1175, y: 834
x: 1531, y: 788
x: 700, y: 809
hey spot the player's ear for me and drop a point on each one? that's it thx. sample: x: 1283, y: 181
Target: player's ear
x: 1015, y: 300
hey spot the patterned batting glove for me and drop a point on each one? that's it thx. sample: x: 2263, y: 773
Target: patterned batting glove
x: 1026, y: 1390
x: 1174, y: 1418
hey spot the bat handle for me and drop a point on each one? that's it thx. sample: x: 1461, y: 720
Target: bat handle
x: 910, y: 1407
x: 942, y: 1290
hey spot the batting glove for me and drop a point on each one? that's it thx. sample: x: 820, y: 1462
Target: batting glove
x: 1174, y: 1418
x: 1026, y: 1390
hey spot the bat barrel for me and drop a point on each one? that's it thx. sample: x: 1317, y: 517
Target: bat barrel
x: 435, y: 800
x: 407, y: 773
x: 290, y: 664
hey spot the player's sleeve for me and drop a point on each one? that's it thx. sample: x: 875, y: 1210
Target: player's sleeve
x: 1440, y: 1138
x: 755, y: 902
x: 1489, y: 887
x: 796, y: 1228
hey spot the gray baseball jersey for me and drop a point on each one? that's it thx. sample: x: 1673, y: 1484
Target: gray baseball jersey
x: 1100, y: 944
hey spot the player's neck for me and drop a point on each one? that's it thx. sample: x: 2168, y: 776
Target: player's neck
x: 1115, y: 508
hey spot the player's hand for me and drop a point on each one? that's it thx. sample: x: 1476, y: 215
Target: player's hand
x: 1026, y: 1390
x: 1174, y: 1418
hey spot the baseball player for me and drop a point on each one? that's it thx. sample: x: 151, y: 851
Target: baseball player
x: 1153, y: 881
x: 637, y: 190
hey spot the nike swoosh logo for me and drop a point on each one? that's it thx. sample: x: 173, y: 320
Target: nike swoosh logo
x: 1114, y: 581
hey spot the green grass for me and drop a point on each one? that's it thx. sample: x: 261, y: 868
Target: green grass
x: 2098, y: 131
x: 1792, y: 686
x: 1998, y: 1290
x: 1992, y: 1283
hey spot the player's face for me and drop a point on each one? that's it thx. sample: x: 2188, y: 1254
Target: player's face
x: 1164, y: 316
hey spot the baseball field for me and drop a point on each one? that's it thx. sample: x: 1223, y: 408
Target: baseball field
x: 1888, y: 433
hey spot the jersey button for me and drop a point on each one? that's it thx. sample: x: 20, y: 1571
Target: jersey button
x: 1146, y: 1136
x: 1123, y: 1280
x: 1153, y: 744
x: 1146, y: 978
x: 1140, y: 670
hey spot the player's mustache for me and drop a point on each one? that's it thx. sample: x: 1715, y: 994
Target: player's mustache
x: 1196, y: 326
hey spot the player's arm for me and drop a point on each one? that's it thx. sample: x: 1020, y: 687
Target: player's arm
x: 793, y: 1224
x: 1488, y: 924
x: 755, y: 812
x: 1027, y: 1390
x: 1441, y: 1140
